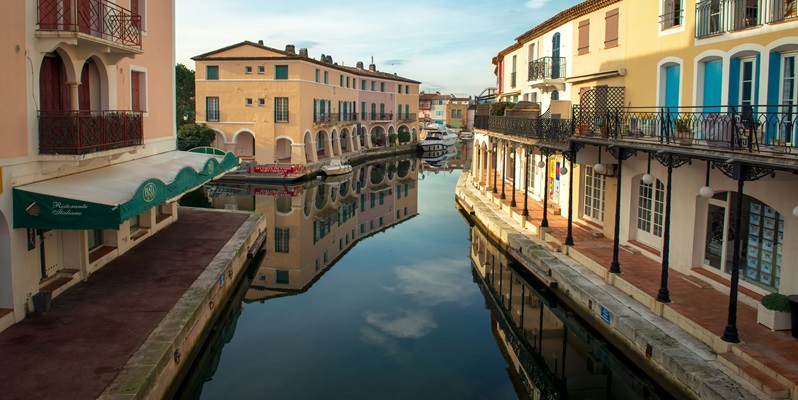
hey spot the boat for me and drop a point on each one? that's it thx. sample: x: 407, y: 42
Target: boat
x: 336, y: 167
x: 284, y: 173
x: 466, y: 135
x: 439, y: 158
x: 437, y: 138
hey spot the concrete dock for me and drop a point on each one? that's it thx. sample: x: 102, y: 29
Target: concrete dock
x: 128, y: 330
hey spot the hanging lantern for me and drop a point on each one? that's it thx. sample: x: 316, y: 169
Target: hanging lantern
x: 563, y: 170
x: 541, y: 164
x: 706, y: 192
x: 795, y: 212
x: 599, y: 168
x: 648, y: 179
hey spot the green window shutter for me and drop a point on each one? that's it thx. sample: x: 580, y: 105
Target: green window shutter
x: 280, y: 72
x: 212, y: 72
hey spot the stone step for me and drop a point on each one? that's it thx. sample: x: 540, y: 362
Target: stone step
x: 773, y: 388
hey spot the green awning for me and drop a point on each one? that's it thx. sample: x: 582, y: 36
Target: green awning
x: 105, y: 197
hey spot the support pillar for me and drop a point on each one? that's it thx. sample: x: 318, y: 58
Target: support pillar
x: 545, y: 222
x: 525, y: 213
x: 74, y: 96
x: 513, y: 156
x: 504, y: 171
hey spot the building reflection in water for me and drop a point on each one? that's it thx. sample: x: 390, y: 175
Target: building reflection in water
x: 551, y: 353
x: 311, y: 225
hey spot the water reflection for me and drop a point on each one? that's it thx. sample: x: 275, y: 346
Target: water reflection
x: 552, y: 354
x: 313, y: 224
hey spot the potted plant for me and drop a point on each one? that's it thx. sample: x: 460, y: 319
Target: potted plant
x: 580, y: 129
x: 602, y: 126
x: 684, y: 131
x: 774, y: 312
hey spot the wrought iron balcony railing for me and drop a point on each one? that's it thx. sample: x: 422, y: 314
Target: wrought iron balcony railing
x: 406, y: 118
x: 83, y: 132
x: 327, y: 118
x: 96, y: 18
x: 755, y: 128
x: 782, y: 10
x: 671, y: 19
x: 710, y: 18
x: 378, y: 116
x: 546, y: 130
x: 547, y: 68
x: 744, y: 14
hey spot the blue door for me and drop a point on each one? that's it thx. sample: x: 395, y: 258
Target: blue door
x: 672, y: 75
x: 713, y: 77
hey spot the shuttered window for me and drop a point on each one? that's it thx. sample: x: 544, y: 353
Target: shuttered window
x: 212, y: 109
x: 611, y: 29
x: 280, y: 72
x: 584, y: 37
x: 212, y: 72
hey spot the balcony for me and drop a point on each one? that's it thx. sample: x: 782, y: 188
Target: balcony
x: 332, y: 119
x: 671, y: 19
x: 782, y: 10
x: 378, y: 117
x: 547, y: 68
x: 84, y: 132
x: 406, y: 118
x: 714, y: 17
x: 102, y: 21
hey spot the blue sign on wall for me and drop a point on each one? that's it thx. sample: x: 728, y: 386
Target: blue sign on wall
x: 605, y: 315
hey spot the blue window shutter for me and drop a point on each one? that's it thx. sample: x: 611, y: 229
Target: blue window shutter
x: 672, y: 75
x: 713, y: 78
x: 757, y: 79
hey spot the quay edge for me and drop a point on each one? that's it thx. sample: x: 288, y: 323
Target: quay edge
x: 166, y: 353
x: 675, y: 359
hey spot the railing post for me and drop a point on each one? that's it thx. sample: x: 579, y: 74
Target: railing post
x: 735, y: 129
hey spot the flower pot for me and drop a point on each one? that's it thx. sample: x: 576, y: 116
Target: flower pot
x: 684, y: 138
x: 774, y: 320
x: 604, y: 132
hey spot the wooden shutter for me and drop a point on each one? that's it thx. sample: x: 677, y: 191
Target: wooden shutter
x: 611, y: 29
x: 135, y: 91
x: 134, y: 10
x: 584, y: 37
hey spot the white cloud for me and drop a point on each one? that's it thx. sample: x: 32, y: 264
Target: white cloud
x: 404, y: 325
x: 536, y: 4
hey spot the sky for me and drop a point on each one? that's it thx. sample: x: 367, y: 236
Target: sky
x: 447, y: 45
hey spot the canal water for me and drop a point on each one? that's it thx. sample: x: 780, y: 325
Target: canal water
x: 374, y: 286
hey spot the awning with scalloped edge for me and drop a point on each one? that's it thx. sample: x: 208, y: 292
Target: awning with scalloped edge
x: 106, y: 197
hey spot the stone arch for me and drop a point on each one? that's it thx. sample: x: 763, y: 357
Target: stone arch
x: 345, y: 141
x: 100, y: 83
x: 282, y: 149
x: 310, y: 153
x: 378, y: 137
x: 244, y: 141
x: 336, y: 143
x: 219, y: 139
x: 322, y: 149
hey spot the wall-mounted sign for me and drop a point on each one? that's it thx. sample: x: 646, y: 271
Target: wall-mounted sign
x: 605, y: 315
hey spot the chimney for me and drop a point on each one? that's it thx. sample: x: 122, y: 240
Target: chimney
x: 260, y: 42
x: 360, y: 65
x: 303, y: 52
x: 372, y: 67
x: 289, y: 48
x: 329, y: 60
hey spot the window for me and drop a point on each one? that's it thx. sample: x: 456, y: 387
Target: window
x: 788, y: 97
x: 382, y: 110
x: 407, y: 89
x: 459, y: 113
x: 261, y: 69
x: 373, y: 110
x: 341, y: 80
x: 248, y: 69
x: 382, y: 86
x: 137, y: 8
x: 138, y: 91
x: 281, y: 240
x: 281, y: 109
x: 584, y: 37
x: 261, y: 102
x: 454, y: 113
x: 326, y: 75
x: 282, y: 277
x: 248, y: 101
x: 610, y: 29
x: 650, y: 210
x: 212, y: 109
x: 407, y: 110
x: 373, y: 86
x: 363, y: 85
x: 400, y: 88
x: 399, y: 112
x: 212, y: 72
x: 280, y: 72
x: 347, y: 81
x: 318, y: 75
x: 95, y: 239
x: 530, y: 173
x: 513, y: 74
x: 747, y: 86
x: 354, y: 83
x: 363, y: 110
x: 671, y: 14
x: 594, y: 195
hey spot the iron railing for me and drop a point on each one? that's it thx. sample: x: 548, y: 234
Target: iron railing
x: 328, y: 118
x: 375, y: 116
x: 671, y: 19
x: 97, y: 18
x: 782, y: 10
x: 766, y: 128
x: 547, y: 68
x: 546, y: 130
x: 709, y: 18
x: 83, y: 132
x: 407, y: 118
x: 744, y: 14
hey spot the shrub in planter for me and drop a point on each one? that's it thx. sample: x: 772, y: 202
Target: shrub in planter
x: 774, y: 312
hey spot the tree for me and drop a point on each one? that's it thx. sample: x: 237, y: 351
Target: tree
x: 184, y: 83
x: 404, y: 136
x: 194, y: 135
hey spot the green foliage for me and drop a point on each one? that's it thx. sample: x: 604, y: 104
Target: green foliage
x: 404, y: 137
x: 184, y: 95
x: 498, y: 109
x: 194, y: 135
x: 683, y: 125
x: 404, y: 168
x: 776, y: 302
x: 392, y: 137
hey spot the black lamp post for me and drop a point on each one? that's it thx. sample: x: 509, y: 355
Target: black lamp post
x: 495, y: 166
x: 512, y: 157
x: 569, y: 239
x: 525, y: 213
x: 620, y: 154
x: 671, y: 161
x: 545, y: 222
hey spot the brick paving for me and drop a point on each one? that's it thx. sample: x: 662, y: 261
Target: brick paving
x: 704, y: 305
x: 77, y: 348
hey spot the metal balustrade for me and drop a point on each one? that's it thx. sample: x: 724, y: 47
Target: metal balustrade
x: 83, y: 132
x: 547, y: 68
x: 96, y: 18
x: 329, y: 118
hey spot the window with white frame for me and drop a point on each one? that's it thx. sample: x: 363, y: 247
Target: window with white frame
x: 671, y: 13
x: 261, y: 102
x: 281, y: 240
x: 281, y: 109
x: 531, y: 170
x: 747, y: 83
x: 594, y: 195
x: 248, y: 69
x: 650, y: 208
x: 248, y: 101
x: 261, y: 70
x: 212, y: 109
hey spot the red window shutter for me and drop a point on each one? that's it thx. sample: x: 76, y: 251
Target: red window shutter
x: 135, y: 91
x: 611, y: 29
x: 584, y: 37
x: 134, y: 10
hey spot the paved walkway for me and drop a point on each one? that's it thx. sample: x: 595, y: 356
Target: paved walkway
x: 767, y: 354
x: 77, y: 348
